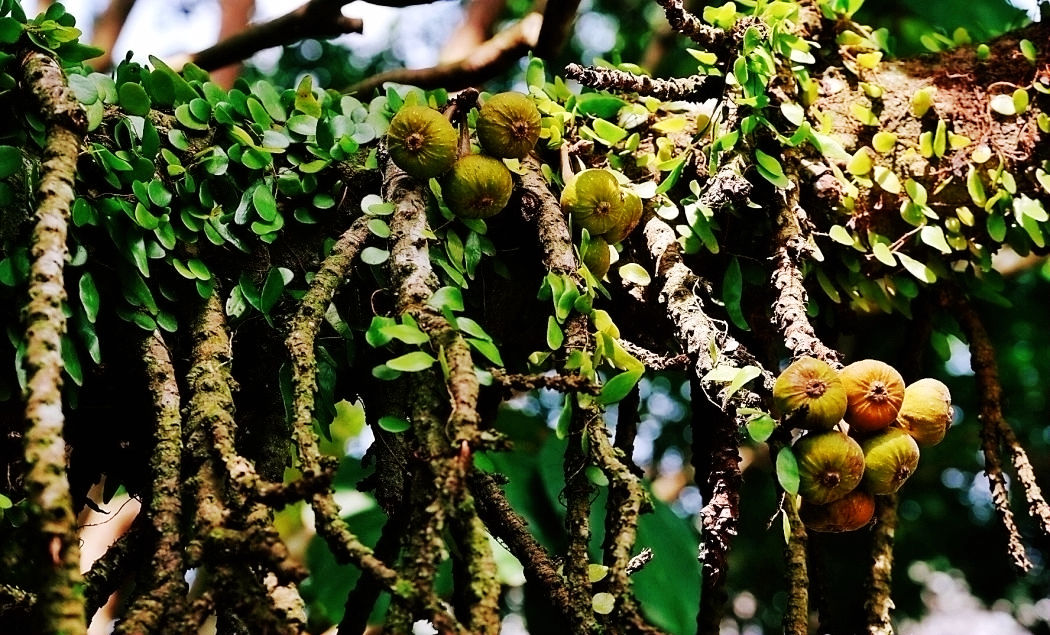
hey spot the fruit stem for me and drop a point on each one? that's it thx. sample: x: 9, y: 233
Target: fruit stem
x: 464, y: 140
x: 566, y: 164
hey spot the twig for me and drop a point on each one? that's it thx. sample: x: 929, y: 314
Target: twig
x: 654, y: 360
x: 994, y: 431
x: 560, y: 382
x: 691, y: 26
x: 692, y: 88
x: 106, y: 573
x: 13, y: 598
x: 639, y: 561
x: 60, y: 607
x: 878, y: 604
x: 485, y: 62
x: 167, y: 587
x: 300, y: 343
x: 315, y: 19
x: 513, y: 531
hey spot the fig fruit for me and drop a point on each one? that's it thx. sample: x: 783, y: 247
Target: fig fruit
x: 633, y: 214
x: 874, y: 392
x: 595, y: 200
x: 830, y: 465
x: 508, y: 125
x: 422, y: 142
x: 926, y: 412
x: 890, y: 457
x: 848, y: 513
x: 812, y: 389
x: 477, y: 187
x: 597, y: 257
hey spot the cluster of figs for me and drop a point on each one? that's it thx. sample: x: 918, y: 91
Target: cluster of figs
x: 843, y: 467
x: 424, y: 143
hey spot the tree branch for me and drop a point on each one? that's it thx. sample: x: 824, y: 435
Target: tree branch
x: 558, y: 19
x: 693, y: 88
x: 485, y: 62
x: 320, y: 19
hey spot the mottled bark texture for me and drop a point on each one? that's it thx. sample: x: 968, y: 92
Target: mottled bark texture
x: 60, y: 605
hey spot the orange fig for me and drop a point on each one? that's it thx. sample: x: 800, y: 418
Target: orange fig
x: 874, y: 392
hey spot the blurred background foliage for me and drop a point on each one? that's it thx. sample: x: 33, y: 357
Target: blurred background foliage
x: 952, y: 571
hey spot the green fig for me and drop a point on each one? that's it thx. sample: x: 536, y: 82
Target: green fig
x: 595, y: 201
x: 422, y: 142
x: 848, y: 513
x: 810, y: 393
x: 633, y: 208
x: 597, y: 257
x: 926, y: 412
x: 830, y: 465
x: 477, y: 187
x: 508, y: 125
x: 890, y: 458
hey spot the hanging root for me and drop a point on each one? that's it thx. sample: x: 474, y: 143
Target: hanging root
x: 878, y: 603
x: 716, y: 460
x: 60, y: 605
x: 996, y: 432
x: 166, y: 587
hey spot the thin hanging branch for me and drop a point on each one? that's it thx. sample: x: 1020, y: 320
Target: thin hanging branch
x: 796, y: 615
x: 878, y: 604
x: 995, y: 431
x: 716, y: 459
x: 166, y: 590
x: 60, y: 608
x: 691, y: 26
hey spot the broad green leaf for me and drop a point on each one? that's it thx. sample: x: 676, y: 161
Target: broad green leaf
x: 450, y: 298
x: 787, y: 471
x: 761, y: 427
x: 603, y: 603
x: 393, y: 424
x: 619, y: 386
x: 732, y: 291
x: 89, y: 297
x: 405, y: 333
x: 374, y: 255
x: 917, y: 269
x: 133, y: 99
x: 10, y: 161
x: 412, y: 362
x: 635, y: 273
x: 555, y: 337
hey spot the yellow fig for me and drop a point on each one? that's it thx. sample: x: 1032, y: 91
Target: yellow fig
x: 890, y: 457
x: 633, y: 214
x: 422, y: 142
x: 926, y: 412
x: 508, y: 125
x: 810, y: 393
x: 477, y: 187
x: 595, y: 201
x: 830, y: 465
